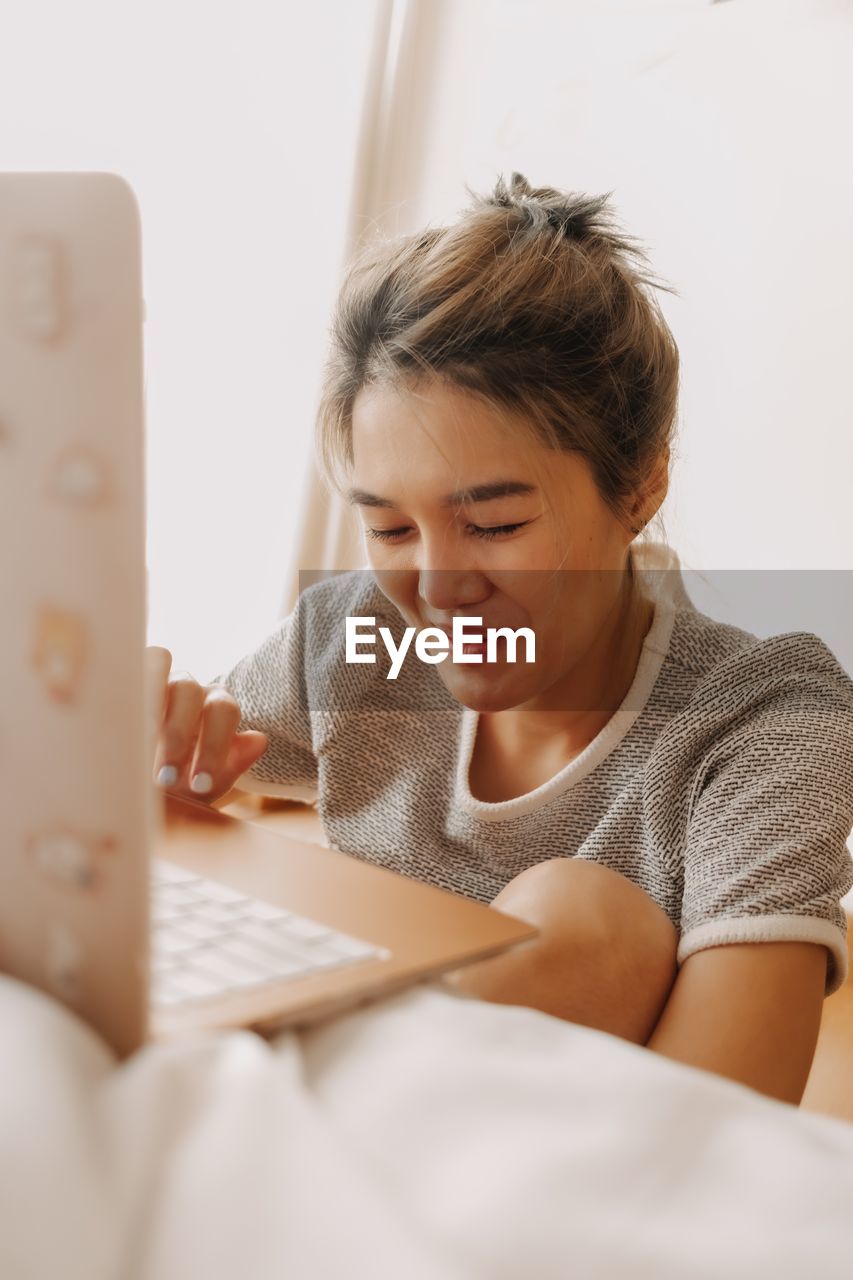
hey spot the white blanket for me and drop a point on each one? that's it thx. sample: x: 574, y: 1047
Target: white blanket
x: 430, y: 1135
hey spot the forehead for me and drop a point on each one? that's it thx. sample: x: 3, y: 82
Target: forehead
x: 436, y: 426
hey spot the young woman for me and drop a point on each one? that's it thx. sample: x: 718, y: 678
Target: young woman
x: 666, y: 796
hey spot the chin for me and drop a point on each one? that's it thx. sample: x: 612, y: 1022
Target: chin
x: 487, y: 690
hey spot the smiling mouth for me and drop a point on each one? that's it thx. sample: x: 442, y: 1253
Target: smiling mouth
x: 476, y: 648
x: 473, y: 646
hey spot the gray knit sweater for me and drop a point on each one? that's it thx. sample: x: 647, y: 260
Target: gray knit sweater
x: 723, y: 784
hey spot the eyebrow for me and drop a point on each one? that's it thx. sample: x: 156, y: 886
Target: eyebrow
x: 463, y: 497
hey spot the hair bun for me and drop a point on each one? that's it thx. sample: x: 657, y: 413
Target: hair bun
x: 574, y: 215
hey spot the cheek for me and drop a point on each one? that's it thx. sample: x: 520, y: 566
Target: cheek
x: 537, y: 595
x: 552, y: 609
x: 399, y: 585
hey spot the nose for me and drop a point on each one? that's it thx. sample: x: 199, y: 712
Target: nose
x: 449, y: 590
x: 445, y: 582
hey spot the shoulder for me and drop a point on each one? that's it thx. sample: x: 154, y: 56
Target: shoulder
x: 327, y: 599
x: 318, y: 622
x: 780, y: 705
x: 700, y: 644
x: 738, y: 674
x: 320, y: 634
x: 792, y: 679
x: 312, y: 635
x: 708, y: 660
x: 325, y: 602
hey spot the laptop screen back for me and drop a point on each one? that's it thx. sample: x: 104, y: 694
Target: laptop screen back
x: 77, y: 806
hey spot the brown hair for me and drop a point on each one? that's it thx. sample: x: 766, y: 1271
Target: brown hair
x: 531, y: 301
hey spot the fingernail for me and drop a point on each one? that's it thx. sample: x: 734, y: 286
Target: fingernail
x: 168, y: 775
x: 201, y: 782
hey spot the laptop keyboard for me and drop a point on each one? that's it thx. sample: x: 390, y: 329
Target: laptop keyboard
x: 208, y: 940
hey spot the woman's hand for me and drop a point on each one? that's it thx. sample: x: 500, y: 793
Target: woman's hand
x: 199, y: 752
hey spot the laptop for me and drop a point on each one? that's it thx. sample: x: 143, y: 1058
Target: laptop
x: 147, y: 915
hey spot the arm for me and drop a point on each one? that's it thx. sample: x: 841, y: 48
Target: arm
x: 748, y: 1011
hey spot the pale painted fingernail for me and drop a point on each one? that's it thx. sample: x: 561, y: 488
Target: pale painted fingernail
x: 168, y: 776
x: 201, y: 782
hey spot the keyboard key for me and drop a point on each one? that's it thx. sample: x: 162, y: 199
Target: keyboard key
x: 299, y: 927
x: 266, y: 935
x: 273, y: 964
x: 217, y: 964
x: 271, y: 944
x: 214, y: 892
x: 200, y: 930
x: 194, y: 983
x: 175, y: 895
x: 348, y: 946
x: 265, y: 911
x: 165, y: 993
x: 217, y: 913
x: 171, y: 941
x: 170, y: 873
x: 325, y: 957
x: 162, y: 913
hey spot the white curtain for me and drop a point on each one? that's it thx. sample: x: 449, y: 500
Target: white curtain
x: 394, y: 125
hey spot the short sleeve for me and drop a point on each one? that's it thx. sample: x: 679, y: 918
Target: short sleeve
x: 766, y: 856
x: 269, y: 686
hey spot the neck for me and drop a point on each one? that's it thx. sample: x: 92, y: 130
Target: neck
x: 578, y: 706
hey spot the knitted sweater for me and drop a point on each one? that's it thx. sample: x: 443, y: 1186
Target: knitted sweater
x: 722, y: 785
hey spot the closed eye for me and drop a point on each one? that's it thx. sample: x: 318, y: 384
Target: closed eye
x: 496, y: 530
x: 486, y: 532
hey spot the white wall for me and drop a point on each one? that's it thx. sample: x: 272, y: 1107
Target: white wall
x: 235, y: 125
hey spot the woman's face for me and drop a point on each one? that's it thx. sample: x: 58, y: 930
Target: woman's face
x: 457, y: 524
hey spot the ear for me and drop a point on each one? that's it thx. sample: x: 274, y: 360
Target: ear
x: 655, y: 489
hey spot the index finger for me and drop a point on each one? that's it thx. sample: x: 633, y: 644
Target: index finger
x: 158, y: 663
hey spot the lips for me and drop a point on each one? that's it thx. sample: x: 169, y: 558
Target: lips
x: 448, y: 631
x: 476, y: 648
x: 473, y: 647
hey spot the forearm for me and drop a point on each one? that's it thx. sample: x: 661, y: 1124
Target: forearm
x: 759, y: 1030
